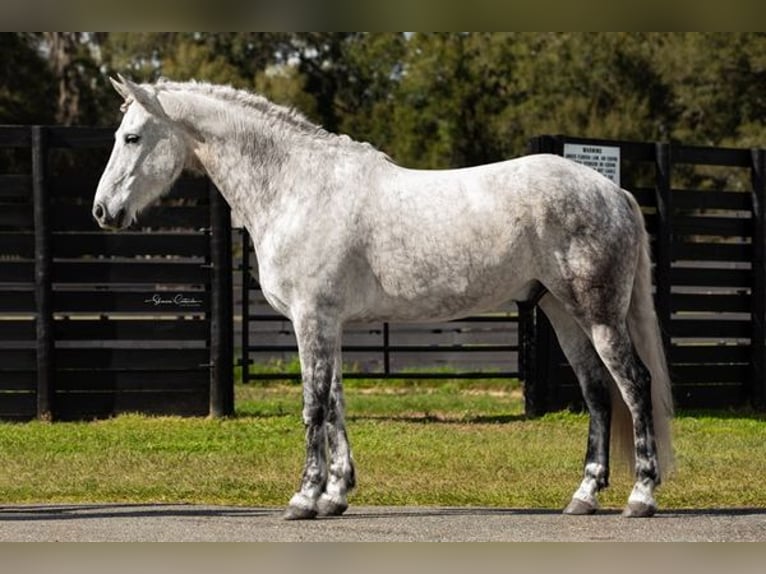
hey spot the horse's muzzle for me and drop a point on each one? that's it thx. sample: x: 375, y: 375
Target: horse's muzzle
x: 108, y: 220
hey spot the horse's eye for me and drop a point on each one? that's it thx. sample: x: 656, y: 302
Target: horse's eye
x: 131, y: 138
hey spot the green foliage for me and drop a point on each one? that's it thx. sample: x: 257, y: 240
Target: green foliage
x: 26, y: 94
x: 428, y: 99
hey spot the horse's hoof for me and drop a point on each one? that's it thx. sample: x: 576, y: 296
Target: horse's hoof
x: 328, y: 506
x: 579, y: 507
x: 636, y: 509
x: 299, y: 513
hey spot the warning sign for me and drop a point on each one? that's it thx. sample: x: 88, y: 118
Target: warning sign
x: 604, y: 159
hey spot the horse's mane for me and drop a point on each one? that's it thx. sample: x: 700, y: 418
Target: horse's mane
x: 243, y: 98
x: 286, y: 116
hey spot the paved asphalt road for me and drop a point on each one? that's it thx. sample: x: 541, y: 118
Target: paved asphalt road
x: 175, y: 523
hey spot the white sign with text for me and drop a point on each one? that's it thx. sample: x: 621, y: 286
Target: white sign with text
x: 604, y: 159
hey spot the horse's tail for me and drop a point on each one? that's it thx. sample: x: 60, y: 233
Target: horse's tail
x: 645, y: 332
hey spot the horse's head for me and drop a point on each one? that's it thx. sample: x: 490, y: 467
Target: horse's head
x: 150, y: 152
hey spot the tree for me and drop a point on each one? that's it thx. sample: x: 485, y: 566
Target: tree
x: 718, y: 81
x: 26, y: 95
x: 452, y: 86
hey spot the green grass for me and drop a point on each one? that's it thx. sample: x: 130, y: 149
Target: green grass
x: 445, y: 443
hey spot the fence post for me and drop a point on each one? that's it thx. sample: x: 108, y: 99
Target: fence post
x: 386, y: 350
x: 245, y: 307
x: 664, y: 240
x: 221, y: 308
x: 758, y: 288
x: 535, y: 331
x: 43, y: 281
x: 534, y: 355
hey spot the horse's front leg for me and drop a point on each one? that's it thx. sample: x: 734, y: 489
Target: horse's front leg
x: 318, y: 346
x: 341, y: 478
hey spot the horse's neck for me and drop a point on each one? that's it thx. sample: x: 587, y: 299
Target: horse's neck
x: 250, y: 171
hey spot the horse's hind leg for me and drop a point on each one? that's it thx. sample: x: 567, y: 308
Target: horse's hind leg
x: 614, y: 346
x: 594, y: 381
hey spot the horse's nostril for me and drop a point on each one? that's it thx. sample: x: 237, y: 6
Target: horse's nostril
x: 98, y: 212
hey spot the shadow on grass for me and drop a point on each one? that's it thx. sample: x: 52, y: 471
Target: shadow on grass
x: 404, y: 418
x: 90, y: 511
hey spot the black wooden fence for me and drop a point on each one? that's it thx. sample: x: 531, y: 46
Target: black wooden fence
x: 704, y: 208
x: 94, y: 323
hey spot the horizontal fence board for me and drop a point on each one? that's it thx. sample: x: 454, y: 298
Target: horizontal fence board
x: 17, y: 381
x: 699, y: 251
x: 150, y: 301
x: 18, y: 406
x: 685, y: 395
x: 15, y: 136
x: 131, y: 330
x: 731, y: 373
x: 714, y: 329
x: 17, y: 360
x: 129, y: 244
x: 417, y: 349
x: 728, y: 157
x: 712, y: 226
x: 79, y: 137
x: 134, y: 381
x: 16, y: 217
x: 686, y: 199
x: 79, y: 218
x: 709, y: 396
x: 129, y: 272
x: 456, y: 363
x: 83, y: 186
x: 132, y: 359
x: 694, y: 277
x: 15, y: 186
x: 95, y: 405
x: 16, y: 301
x: 409, y: 374
x: 17, y: 272
x: 70, y: 186
x: 717, y: 303
x: 16, y: 244
x: 709, y: 354
x: 18, y: 330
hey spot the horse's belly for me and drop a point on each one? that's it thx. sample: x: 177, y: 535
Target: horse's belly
x: 421, y: 296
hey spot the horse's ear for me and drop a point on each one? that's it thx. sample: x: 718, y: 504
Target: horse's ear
x: 120, y: 87
x: 143, y: 97
x: 133, y: 92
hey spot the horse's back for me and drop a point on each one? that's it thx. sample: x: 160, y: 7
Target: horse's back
x: 453, y: 241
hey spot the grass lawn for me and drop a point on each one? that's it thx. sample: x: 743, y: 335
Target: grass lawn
x: 445, y: 443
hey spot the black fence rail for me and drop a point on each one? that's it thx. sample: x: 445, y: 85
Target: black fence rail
x: 704, y: 208
x: 479, y: 347
x: 95, y: 323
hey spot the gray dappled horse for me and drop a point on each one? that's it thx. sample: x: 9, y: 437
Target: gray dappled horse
x: 341, y: 233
